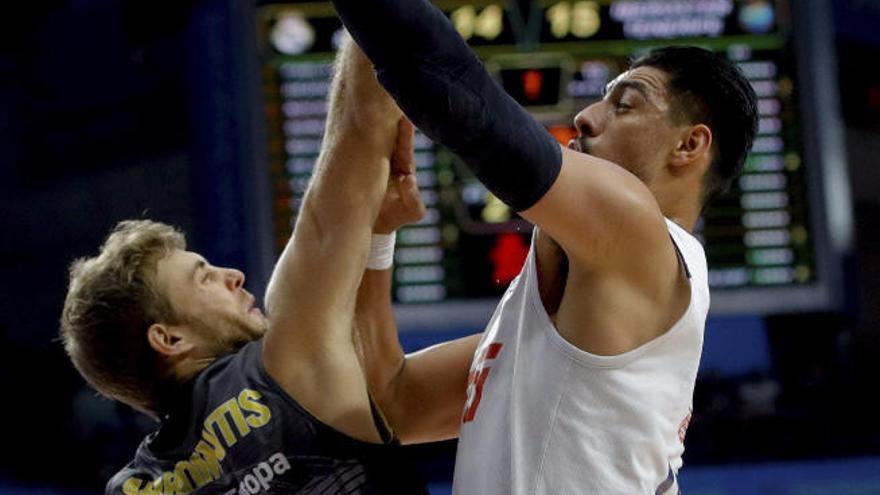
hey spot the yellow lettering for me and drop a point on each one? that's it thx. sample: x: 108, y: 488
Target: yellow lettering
x: 132, y: 486
x: 238, y: 418
x: 195, y: 475
x: 203, y: 466
x: 220, y: 452
x: 154, y: 488
x: 168, y: 483
x: 208, y: 463
x: 181, y: 480
x: 218, y: 418
x: 248, y: 400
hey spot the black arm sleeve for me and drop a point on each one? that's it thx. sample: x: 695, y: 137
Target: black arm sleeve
x: 444, y: 89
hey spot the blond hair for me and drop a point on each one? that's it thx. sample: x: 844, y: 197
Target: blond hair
x: 111, y: 301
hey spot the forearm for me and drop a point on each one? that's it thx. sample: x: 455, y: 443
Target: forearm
x: 308, y: 348
x: 359, y: 136
x: 422, y: 394
x: 376, y: 328
x: 345, y: 192
x: 443, y: 88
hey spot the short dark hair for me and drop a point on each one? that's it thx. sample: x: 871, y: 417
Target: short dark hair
x: 708, y: 89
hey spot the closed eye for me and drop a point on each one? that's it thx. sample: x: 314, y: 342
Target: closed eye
x: 621, y: 102
x: 202, y: 271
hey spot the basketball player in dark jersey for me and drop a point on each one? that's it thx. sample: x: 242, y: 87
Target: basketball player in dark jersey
x: 250, y: 404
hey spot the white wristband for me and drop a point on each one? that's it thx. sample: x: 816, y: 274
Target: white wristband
x: 381, y: 251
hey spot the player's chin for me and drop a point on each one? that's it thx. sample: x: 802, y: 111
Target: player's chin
x: 264, y: 327
x: 255, y: 315
x: 252, y: 327
x: 260, y: 327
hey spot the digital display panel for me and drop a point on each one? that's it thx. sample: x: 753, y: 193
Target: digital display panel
x: 555, y: 58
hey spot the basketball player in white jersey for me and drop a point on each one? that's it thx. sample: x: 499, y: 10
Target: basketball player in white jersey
x: 582, y: 381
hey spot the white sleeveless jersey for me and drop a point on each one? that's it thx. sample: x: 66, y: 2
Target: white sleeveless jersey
x: 544, y: 417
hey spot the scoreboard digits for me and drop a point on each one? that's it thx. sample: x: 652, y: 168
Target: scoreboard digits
x: 556, y: 59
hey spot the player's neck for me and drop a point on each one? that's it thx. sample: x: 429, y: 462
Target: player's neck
x: 187, y: 368
x: 686, y: 221
x: 680, y: 206
x: 684, y: 212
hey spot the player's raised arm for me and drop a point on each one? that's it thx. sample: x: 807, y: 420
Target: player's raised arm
x: 311, y: 296
x: 444, y: 89
x: 422, y: 394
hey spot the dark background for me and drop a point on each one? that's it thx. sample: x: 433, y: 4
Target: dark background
x: 112, y: 109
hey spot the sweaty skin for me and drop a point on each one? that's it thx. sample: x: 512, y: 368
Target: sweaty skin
x: 608, y: 272
x: 310, y: 300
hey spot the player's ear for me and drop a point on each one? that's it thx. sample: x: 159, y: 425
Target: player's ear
x: 168, y: 340
x: 694, y: 144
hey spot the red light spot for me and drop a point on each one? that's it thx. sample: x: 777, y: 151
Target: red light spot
x: 507, y: 256
x: 533, y: 82
x: 562, y: 133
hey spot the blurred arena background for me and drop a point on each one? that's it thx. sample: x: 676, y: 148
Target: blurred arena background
x: 207, y: 114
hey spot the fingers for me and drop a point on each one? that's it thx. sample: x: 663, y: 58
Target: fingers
x: 403, y: 159
x: 408, y: 194
x: 402, y: 204
x: 403, y: 192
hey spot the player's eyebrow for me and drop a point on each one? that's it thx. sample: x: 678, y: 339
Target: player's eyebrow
x: 639, y: 86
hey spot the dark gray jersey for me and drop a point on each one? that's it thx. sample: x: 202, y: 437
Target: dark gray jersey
x: 237, y: 432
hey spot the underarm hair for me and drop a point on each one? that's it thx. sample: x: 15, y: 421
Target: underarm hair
x: 444, y: 89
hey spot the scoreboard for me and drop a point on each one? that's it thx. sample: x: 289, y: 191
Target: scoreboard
x: 774, y: 243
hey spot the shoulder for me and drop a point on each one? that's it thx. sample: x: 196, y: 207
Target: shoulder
x: 603, y: 216
x: 115, y: 484
x: 140, y: 471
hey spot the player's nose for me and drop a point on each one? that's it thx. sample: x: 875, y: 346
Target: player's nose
x: 234, y: 278
x: 587, y: 121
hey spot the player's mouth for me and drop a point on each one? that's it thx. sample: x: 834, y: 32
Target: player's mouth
x: 579, y: 145
x: 252, y: 309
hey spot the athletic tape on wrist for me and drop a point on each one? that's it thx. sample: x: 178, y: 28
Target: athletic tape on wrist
x: 381, y: 251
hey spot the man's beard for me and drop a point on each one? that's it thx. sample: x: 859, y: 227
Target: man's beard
x: 226, y: 335
x: 584, y: 147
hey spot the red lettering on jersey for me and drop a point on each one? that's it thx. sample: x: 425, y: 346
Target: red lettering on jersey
x: 683, y: 427
x: 476, y: 379
x: 493, y: 350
